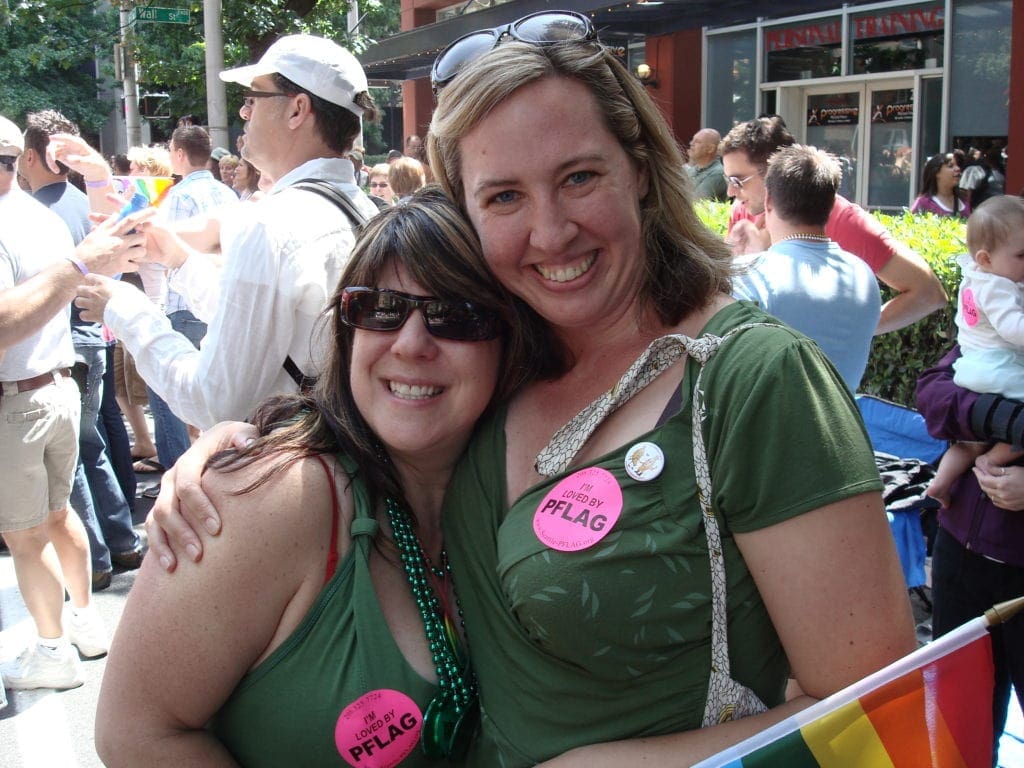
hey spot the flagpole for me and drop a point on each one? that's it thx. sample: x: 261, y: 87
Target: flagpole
x: 959, y: 637
x: 1003, y: 612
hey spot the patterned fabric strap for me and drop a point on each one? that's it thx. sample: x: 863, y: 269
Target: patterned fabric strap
x: 727, y: 699
x: 659, y: 355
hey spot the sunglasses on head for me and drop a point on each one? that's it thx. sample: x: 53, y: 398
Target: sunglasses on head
x: 8, y: 162
x: 543, y: 28
x: 372, y: 309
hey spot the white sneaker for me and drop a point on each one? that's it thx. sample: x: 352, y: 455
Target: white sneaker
x: 86, y: 631
x: 36, y: 669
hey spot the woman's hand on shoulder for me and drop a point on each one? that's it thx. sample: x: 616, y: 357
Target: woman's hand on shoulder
x: 183, y: 508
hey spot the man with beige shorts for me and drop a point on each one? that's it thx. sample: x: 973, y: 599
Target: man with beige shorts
x: 40, y: 272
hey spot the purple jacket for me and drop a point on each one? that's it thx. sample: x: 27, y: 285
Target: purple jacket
x: 971, y: 518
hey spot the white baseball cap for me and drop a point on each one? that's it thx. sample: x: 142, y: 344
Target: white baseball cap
x: 10, y: 138
x: 321, y: 66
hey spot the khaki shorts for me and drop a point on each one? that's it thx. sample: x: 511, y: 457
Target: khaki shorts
x: 38, y: 452
x: 128, y: 384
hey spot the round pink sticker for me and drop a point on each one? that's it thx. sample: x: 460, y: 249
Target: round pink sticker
x: 969, y: 307
x: 378, y: 729
x: 580, y: 511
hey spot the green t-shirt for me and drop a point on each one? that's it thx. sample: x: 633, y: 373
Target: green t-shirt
x: 613, y: 641
x: 338, y: 684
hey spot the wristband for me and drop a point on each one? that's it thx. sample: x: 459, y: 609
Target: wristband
x: 97, y: 184
x: 79, y: 265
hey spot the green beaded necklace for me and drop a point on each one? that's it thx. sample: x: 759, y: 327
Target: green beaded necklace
x: 452, y: 715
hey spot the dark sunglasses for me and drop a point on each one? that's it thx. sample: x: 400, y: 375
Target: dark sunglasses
x: 542, y: 28
x: 8, y: 162
x: 381, y: 310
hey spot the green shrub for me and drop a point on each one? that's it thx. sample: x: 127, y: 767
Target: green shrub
x: 898, y: 358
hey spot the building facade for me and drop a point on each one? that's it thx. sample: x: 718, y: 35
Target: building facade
x: 882, y: 85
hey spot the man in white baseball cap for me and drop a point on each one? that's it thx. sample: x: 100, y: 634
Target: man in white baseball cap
x: 303, y: 101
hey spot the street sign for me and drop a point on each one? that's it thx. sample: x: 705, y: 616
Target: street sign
x: 163, y: 15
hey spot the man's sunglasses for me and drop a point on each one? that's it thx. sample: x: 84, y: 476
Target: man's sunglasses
x: 543, y: 28
x: 371, y: 309
x: 736, y: 181
x: 249, y: 96
x: 8, y: 162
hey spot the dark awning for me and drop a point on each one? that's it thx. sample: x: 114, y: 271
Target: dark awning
x: 409, y: 55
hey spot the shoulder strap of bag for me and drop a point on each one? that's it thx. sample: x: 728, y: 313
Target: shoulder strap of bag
x: 331, y: 193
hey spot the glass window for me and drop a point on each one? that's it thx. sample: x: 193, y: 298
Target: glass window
x: 930, y: 122
x: 896, y: 39
x: 832, y: 124
x: 892, y: 115
x: 980, y: 69
x: 731, y: 89
x: 803, y: 51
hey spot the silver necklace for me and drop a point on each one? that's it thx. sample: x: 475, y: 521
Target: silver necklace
x: 806, y: 236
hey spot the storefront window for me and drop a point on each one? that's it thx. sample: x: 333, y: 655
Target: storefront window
x: 731, y: 89
x: 892, y: 116
x: 804, y: 51
x: 980, y: 71
x: 893, y: 40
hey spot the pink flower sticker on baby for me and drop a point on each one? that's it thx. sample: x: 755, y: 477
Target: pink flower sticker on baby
x: 378, y: 729
x: 968, y: 307
x: 580, y: 511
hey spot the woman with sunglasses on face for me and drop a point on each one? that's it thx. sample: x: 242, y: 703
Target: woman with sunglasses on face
x: 379, y: 186
x: 322, y: 626
x: 604, y: 591
x: 938, y: 193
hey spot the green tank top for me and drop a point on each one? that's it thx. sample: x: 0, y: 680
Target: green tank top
x: 338, y: 691
x: 612, y: 640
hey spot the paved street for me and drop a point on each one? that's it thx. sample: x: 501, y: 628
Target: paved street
x: 48, y: 729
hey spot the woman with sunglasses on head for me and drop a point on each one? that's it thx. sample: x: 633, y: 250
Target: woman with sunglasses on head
x: 323, y: 625
x: 938, y: 193
x: 604, y: 591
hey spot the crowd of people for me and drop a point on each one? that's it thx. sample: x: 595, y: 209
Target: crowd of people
x: 511, y: 493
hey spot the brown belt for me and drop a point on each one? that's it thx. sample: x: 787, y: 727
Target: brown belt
x: 27, y: 385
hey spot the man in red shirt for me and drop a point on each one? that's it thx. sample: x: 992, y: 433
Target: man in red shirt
x: 745, y: 152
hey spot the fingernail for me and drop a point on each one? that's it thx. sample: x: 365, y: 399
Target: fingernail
x: 211, y: 525
x: 193, y: 552
x: 165, y: 561
x: 249, y: 441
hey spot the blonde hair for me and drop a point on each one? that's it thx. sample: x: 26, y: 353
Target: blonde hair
x: 406, y: 175
x: 993, y: 221
x: 380, y: 169
x: 685, y: 263
x: 152, y: 161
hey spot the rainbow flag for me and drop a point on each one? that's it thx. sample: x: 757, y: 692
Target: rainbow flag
x: 931, y: 709
x: 153, y: 187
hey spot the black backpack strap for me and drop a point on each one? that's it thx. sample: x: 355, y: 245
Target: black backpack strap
x: 328, y: 191
x: 305, y: 382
